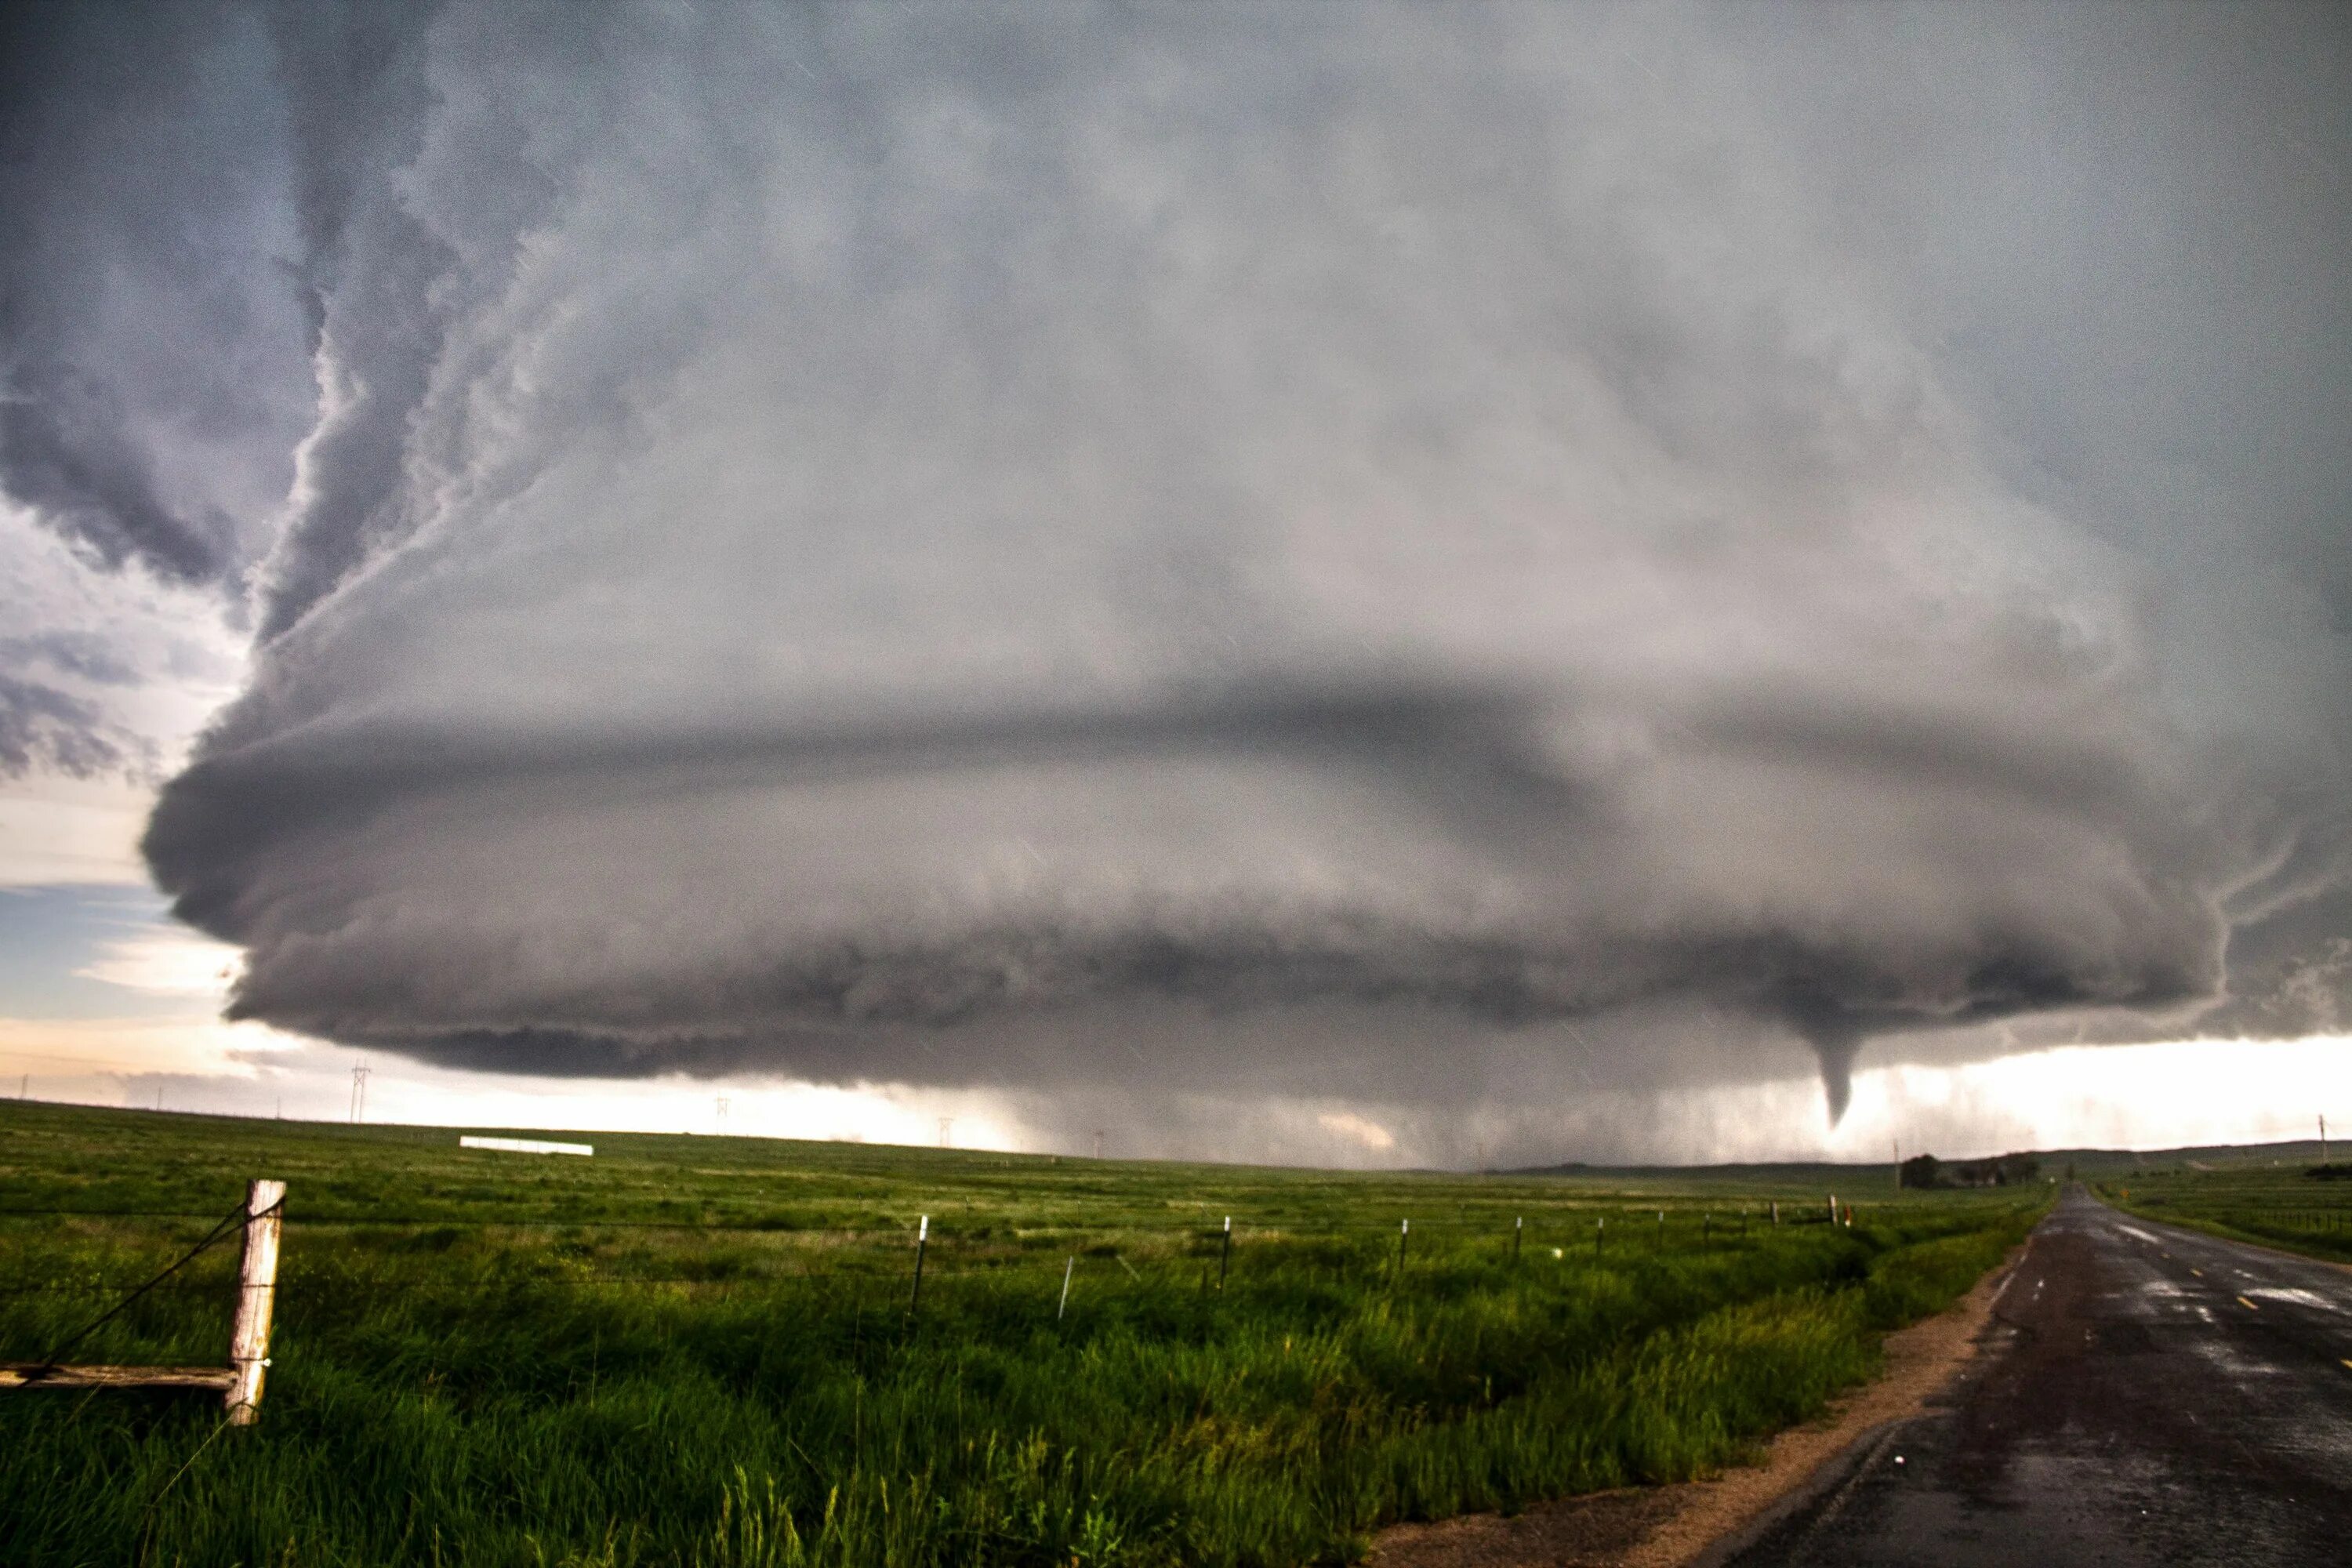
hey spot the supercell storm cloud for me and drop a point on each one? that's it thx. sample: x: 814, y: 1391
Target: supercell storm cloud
x: 1290, y: 548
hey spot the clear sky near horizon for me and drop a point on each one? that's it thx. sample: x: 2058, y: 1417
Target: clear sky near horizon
x: 1362, y: 583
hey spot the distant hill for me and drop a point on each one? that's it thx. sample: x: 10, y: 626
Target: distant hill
x: 2053, y: 1162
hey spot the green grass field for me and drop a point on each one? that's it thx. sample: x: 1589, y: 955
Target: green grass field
x: 699, y: 1350
x: 2271, y: 1198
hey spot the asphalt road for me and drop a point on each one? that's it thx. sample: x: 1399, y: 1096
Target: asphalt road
x: 2146, y: 1395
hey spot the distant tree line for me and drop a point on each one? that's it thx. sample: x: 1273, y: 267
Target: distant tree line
x: 2002, y: 1171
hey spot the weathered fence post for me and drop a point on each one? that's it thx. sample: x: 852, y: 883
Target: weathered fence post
x: 1518, y: 1233
x: 257, y: 1300
x: 1597, y: 1227
x: 1225, y: 1254
x: 922, y: 1237
x: 1404, y: 1228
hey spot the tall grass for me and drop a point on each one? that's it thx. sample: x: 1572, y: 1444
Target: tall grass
x: 464, y: 1392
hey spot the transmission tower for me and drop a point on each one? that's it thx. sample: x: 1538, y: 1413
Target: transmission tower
x: 359, y: 1093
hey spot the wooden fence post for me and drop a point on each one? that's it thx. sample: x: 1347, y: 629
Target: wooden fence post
x: 257, y: 1300
x: 922, y: 1239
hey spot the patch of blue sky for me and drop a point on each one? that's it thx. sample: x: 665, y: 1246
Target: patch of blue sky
x: 47, y: 935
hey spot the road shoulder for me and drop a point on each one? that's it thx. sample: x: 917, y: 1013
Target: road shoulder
x: 1697, y: 1524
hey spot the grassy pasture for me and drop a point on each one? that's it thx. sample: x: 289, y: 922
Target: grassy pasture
x: 2274, y: 1201
x: 697, y: 1350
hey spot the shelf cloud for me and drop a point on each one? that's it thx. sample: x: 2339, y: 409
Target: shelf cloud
x: 1441, y: 554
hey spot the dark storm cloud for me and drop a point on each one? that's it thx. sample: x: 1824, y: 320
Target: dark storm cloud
x: 377, y: 285
x: 82, y: 654
x: 152, y: 378
x: 42, y: 726
x: 1446, y: 553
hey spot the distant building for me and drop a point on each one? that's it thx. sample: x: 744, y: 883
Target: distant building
x: 2002, y: 1171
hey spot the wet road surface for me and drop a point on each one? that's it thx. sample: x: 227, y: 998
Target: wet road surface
x: 2146, y: 1395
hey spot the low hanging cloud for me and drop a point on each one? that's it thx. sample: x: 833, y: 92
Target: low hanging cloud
x: 1436, y: 554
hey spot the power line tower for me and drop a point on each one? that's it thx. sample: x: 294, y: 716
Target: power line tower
x: 1098, y: 1142
x: 946, y: 1125
x: 723, y: 1116
x: 359, y: 1093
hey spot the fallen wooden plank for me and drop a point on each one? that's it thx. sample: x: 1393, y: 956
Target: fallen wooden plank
x: 33, y: 1375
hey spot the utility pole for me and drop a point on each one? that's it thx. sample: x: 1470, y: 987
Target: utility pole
x: 2323, y: 1140
x: 1898, y: 1164
x: 1098, y: 1142
x: 946, y: 1124
x: 359, y: 1093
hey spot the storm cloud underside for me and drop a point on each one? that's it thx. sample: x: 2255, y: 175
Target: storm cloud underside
x: 1438, y: 554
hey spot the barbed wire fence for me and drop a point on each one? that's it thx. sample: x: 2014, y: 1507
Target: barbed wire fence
x: 992, y: 1249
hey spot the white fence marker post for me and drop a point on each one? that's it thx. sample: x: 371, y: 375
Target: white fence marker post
x: 1065, y: 1306
x: 256, y: 1300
